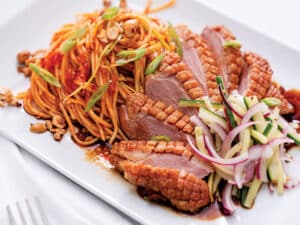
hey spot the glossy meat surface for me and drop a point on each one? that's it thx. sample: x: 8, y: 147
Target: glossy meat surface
x: 168, y: 168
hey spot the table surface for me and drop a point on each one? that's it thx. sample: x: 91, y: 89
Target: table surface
x: 277, y: 18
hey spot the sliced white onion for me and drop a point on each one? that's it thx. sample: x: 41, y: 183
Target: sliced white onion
x: 219, y: 130
x: 232, y: 134
x: 227, y: 202
x: 259, y: 107
x: 220, y: 161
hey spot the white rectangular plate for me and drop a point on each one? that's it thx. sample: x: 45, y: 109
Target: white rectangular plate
x: 33, y: 28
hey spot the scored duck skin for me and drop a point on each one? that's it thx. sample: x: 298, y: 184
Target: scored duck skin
x: 173, y: 77
x: 229, y: 60
x: 207, y: 59
x: 168, y: 168
x: 257, y: 75
x: 275, y: 90
x: 142, y: 117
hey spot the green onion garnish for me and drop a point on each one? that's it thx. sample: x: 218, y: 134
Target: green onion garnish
x: 68, y: 45
x: 174, y: 37
x: 45, y: 74
x: 137, y: 54
x: 72, y: 41
x: 160, y: 138
x: 232, y: 44
x: 197, y: 103
x: 109, y: 13
x: 152, y: 67
x: 78, y: 33
x: 271, y: 101
x: 96, y: 96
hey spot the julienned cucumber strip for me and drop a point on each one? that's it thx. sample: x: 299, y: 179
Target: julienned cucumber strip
x: 262, y: 139
x: 268, y: 129
x: 291, y: 134
x: 197, y: 103
x: 258, y: 117
x: 252, y: 193
x: 228, y: 110
x: 212, y: 117
x: 271, y: 101
x: 250, y: 101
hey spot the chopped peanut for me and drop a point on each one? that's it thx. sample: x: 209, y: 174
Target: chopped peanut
x: 23, y: 56
x: 130, y: 27
x: 38, y: 128
x: 58, y: 121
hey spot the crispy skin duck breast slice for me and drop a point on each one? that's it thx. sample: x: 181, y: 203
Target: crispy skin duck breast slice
x: 172, y: 82
x: 256, y: 77
x: 194, y: 45
x: 168, y: 168
x: 229, y: 60
x: 275, y: 90
x: 142, y: 117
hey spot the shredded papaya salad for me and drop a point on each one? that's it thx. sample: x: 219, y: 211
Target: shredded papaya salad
x: 246, y: 141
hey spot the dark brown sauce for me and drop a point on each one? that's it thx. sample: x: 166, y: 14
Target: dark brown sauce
x: 211, y: 212
x: 293, y: 97
x: 207, y: 213
x: 99, y: 156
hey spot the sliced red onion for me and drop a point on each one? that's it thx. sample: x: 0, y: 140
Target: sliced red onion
x: 220, y: 161
x: 227, y: 202
x: 271, y: 187
x: 285, y: 131
x: 238, y: 174
x: 259, y: 107
x: 232, y: 134
x: 228, y: 103
x: 261, y: 170
x: 257, y: 152
x: 210, y: 148
x: 244, y: 173
x: 267, y: 114
x: 198, y: 122
x: 219, y: 130
x: 249, y: 172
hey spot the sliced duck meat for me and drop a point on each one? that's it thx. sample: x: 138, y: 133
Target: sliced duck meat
x: 229, y: 59
x: 191, y: 58
x: 142, y: 117
x: 201, y: 60
x: 173, y: 82
x: 167, y: 168
x: 169, y: 90
x: 256, y: 77
x: 275, y: 90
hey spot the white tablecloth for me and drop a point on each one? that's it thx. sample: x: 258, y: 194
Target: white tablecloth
x: 276, y: 17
